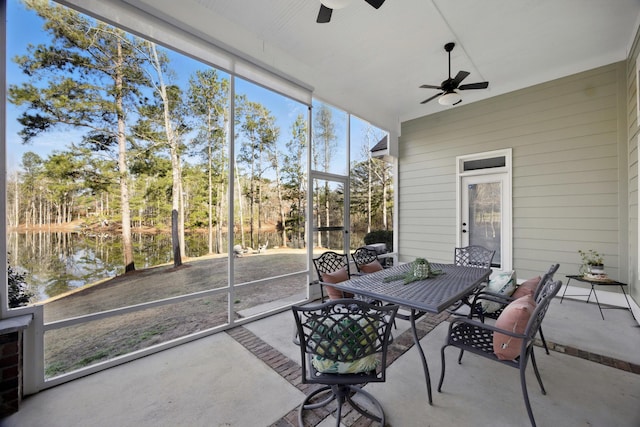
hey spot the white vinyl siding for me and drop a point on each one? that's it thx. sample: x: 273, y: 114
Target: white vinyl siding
x: 566, y: 175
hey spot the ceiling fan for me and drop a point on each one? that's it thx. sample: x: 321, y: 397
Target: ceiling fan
x: 327, y: 6
x: 449, y: 96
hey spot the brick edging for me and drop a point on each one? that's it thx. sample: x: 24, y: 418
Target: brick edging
x: 593, y: 357
x: 292, y: 371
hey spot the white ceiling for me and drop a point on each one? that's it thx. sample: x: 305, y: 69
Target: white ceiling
x: 371, y: 62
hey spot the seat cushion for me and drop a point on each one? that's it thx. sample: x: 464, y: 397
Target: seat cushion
x: 514, y: 318
x: 371, y: 267
x: 327, y: 366
x: 503, y: 283
x: 336, y: 277
x: 528, y: 287
x: 346, y: 339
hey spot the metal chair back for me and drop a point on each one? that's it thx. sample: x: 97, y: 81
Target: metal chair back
x: 363, y: 256
x: 343, y: 344
x: 330, y: 262
x: 473, y: 256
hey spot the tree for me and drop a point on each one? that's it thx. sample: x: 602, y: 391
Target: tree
x: 370, y: 187
x: 294, y: 175
x: 89, y: 77
x: 19, y: 293
x: 63, y: 173
x: 163, y: 122
x: 258, y: 127
x: 324, y: 143
x: 208, y: 100
x: 33, y: 187
x: 275, y: 163
x: 370, y: 194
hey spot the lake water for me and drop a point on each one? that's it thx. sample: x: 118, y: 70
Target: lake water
x: 56, y: 262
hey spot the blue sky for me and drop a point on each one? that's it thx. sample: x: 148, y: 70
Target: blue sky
x: 23, y: 28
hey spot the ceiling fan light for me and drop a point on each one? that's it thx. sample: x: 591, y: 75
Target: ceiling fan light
x: 335, y: 4
x: 449, y: 98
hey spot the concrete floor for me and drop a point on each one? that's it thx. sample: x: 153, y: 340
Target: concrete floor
x: 217, y: 382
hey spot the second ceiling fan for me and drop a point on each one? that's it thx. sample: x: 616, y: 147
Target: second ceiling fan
x: 448, y: 94
x: 327, y: 6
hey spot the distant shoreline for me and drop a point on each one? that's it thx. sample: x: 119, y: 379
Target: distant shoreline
x: 114, y: 227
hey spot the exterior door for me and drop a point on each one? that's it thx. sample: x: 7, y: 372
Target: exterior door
x: 485, y: 215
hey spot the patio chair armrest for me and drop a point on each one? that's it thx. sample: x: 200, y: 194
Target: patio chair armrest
x: 456, y: 320
x: 492, y: 296
x: 486, y: 296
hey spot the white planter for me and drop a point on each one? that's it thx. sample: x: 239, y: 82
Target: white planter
x: 596, y: 269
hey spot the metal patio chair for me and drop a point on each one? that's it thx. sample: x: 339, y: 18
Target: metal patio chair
x: 366, y: 260
x: 332, y: 267
x: 491, y: 341
x: 343, y: 345
x: 471, y: 256
x: 504, y: 300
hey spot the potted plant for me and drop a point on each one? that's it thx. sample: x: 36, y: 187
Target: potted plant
x: 421, y: 268
x: 592, y: 262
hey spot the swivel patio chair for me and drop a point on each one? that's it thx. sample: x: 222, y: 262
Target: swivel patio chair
x: 506, y: 342
x: 343, y: 345
x: 332, y: 267
x: 532, y: 286
x: 366, y: 260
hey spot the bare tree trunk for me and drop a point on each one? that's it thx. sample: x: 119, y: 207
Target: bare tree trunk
x: 283, y: 218
x: 210, y: 197
x: 318, y: 214
x: 40, y: 214
x: 181, y: 217
x: 251, y: 207
x: 326, y: 212
x: 176, y: 170
x: 16, y: 202
x: 220, y: 208
x: 177, y: 259
x: 127, y: 245
x: 240, y: 204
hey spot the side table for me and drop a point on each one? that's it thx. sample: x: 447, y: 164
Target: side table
x: 594, y: 283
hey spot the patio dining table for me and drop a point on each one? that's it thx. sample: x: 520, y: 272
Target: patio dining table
x: 432, y: 295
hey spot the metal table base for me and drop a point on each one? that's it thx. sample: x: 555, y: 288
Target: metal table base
x: 594, y: 283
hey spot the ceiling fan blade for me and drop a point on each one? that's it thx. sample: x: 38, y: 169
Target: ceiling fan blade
x: 431, y: 87
x: 480, y: 85
x: 456, y: 103
x: 460, y: 77
x: 375, y: 3
x: 324, y: 15
x: 432, y: 98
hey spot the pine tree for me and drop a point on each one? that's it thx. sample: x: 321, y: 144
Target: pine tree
x: 88, y: 77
